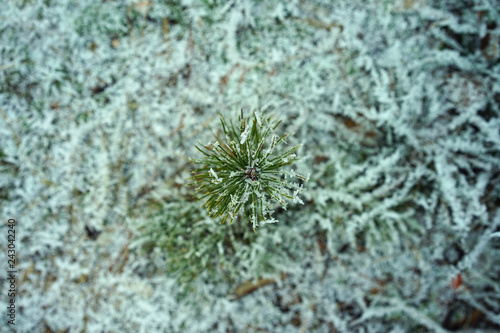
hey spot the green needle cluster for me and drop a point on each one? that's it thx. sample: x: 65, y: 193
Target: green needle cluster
x: 244, y: 171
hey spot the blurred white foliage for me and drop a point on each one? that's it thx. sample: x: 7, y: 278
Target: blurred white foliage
x: 396, y: 101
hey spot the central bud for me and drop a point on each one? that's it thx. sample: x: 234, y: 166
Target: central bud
x: 252, y: 173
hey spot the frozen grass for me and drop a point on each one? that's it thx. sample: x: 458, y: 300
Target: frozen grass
x: 396, y: 103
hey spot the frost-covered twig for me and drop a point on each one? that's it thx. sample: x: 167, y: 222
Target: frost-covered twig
x: 244, y: 171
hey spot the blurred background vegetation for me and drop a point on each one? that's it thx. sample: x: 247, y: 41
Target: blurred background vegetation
x: 396, y: 103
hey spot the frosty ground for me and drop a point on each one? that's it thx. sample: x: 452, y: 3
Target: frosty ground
x: 395, y: 102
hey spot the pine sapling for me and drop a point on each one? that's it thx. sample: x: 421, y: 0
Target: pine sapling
x: 244, y: 171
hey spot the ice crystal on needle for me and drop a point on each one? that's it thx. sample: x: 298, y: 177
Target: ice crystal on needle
x: 245, y: 171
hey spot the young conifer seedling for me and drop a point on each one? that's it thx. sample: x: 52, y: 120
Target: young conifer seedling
x: 244, y: 171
